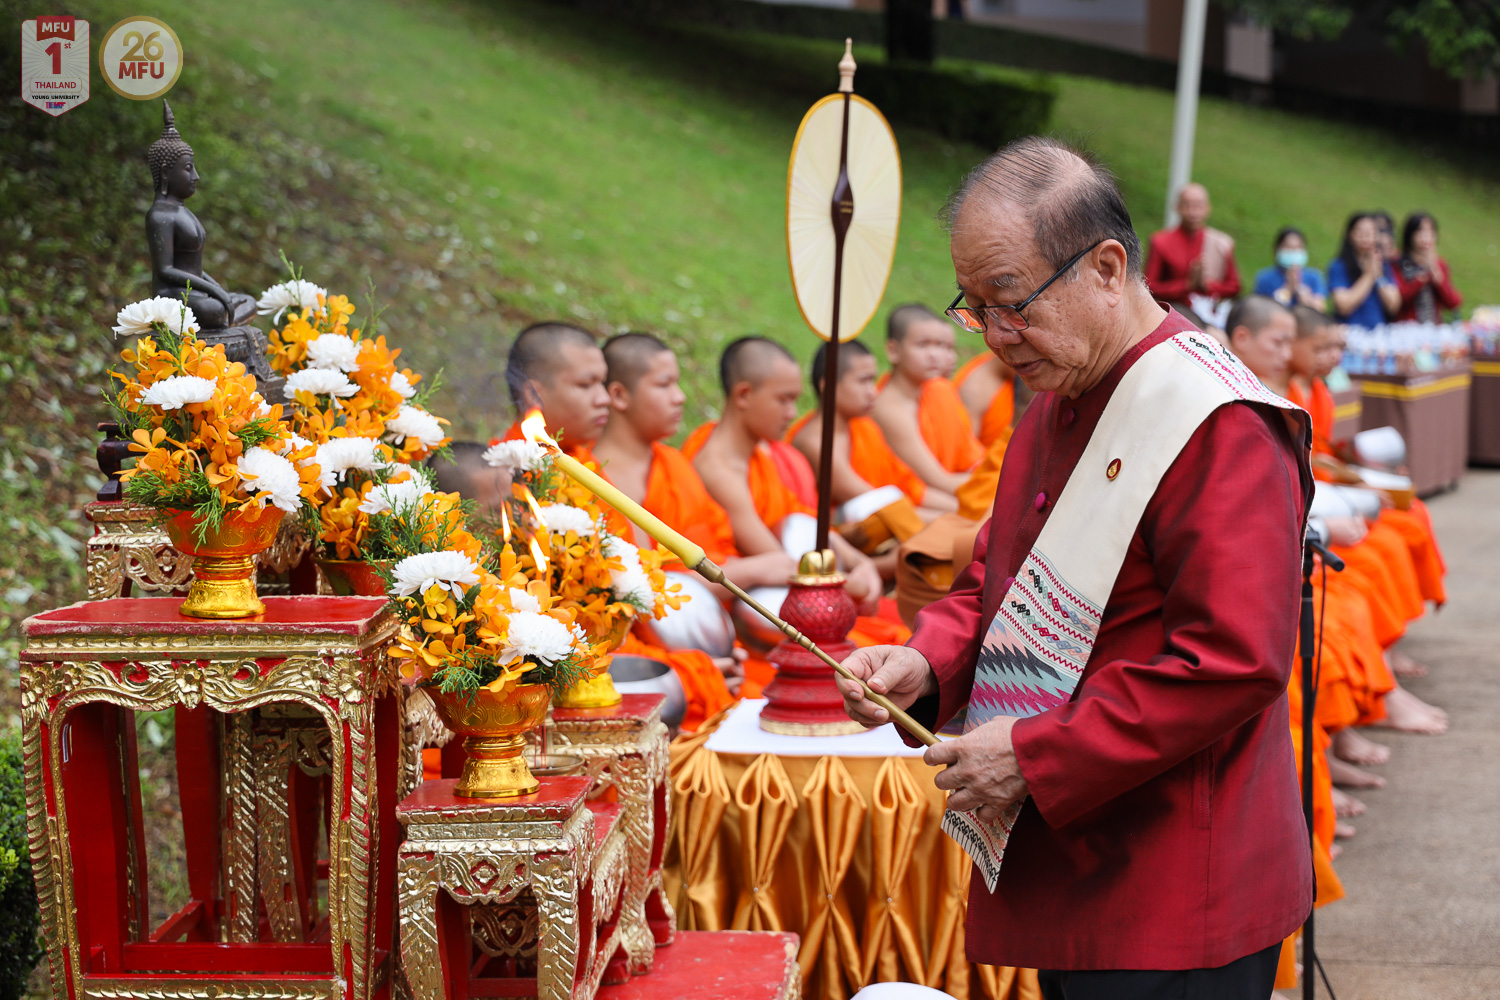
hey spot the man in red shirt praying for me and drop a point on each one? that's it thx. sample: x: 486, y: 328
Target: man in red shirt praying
x: 1194, y: 258
x: 1122, y: 643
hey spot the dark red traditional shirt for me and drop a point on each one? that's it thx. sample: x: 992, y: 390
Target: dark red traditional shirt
x: 1164, y: 828
x: 1169, y: 255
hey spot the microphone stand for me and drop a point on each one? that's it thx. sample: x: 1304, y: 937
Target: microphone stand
x: 1312, y: 544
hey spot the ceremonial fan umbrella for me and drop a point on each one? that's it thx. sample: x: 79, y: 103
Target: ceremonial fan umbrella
x: 843, y: 207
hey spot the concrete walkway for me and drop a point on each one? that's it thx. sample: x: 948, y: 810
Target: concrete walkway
x: 1421, y: 918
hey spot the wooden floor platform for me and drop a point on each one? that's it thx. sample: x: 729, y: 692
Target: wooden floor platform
x: 718, y: 965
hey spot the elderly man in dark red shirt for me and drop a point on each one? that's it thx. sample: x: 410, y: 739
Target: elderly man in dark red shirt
x: 1159, y: 848
x: 1192, y: 258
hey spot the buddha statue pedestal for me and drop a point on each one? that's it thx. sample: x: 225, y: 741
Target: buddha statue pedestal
x: 804, y: 699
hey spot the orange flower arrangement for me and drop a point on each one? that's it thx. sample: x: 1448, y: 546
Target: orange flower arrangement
x: 203, y: 438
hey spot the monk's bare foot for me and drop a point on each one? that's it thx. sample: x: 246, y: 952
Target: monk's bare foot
x: 1407, y: 713
x: 1352, y: 777
x: 1333, y: 855
x: 1404, y: 666
x: 1349, y: 745
x: 1344, y: 831
x: 1346, y: 806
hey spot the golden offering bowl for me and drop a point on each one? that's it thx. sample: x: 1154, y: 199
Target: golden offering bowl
x: 494, y: 727
x: 224, y: 562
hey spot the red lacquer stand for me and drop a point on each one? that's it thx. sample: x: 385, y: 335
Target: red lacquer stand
x: 86, y: 668
x: 804, y: 700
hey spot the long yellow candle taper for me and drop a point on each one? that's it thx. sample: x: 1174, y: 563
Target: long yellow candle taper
x: 693, y: 557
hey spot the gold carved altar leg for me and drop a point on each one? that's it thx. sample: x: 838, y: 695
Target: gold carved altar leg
x: 240, y: 900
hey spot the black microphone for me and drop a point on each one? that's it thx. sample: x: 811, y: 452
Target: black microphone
x: 1316, y: 539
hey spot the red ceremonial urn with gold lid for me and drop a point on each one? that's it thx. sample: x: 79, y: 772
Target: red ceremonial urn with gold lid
x: 804, y: 700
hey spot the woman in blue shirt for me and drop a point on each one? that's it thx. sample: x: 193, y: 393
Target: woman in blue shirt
x: 1290, y: 281
x: 1360, y: 280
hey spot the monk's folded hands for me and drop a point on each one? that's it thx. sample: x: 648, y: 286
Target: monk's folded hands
x: 982, y: 773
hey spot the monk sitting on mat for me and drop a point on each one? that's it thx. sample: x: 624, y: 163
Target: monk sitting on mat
x: 877, y: 493
x: 734, y: 457
x: 918, y: 408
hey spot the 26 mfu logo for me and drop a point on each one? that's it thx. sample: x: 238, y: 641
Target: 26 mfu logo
x: 140, y: 58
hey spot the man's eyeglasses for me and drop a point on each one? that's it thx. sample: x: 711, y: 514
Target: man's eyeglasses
x: 1010, y: 319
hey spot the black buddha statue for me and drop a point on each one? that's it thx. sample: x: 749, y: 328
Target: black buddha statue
x: 175, y: 238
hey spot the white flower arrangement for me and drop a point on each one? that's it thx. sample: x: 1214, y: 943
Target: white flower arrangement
x: 402, y: 385
x: 177, y: 391
x: 517, y: 456
x: 262, y: 470
x: 541, y: 638
x: 562, y: 518
x: 279, y: 298
x: 522, y: 600
x: 629, y: 584
x: 414, y: 422
x: 140, y: 318
x: 333, y: 350
x: 320, y: 382
x: 451, y: 570
x: 389, y: 497
x: 338, y: 456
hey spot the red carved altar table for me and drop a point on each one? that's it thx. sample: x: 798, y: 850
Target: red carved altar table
x: 84, y: 669
x: 550, y: 868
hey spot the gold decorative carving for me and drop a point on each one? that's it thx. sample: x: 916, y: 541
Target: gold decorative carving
x: 99, y: 988
x: 239, y: 856
x: 129, y: 545
x: 507, y: 930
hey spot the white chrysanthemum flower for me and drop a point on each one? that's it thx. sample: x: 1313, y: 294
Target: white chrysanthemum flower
x: 320, y: 382
x: 176, y: 391
x: 395, y: 496
x: 517, y: 456
x: 534, y: 636
x: 630, y: 583
x: 333, y: 350
x: 562, y: 518
x: 279, y: 298
x: 523, y: 600
x: 139, y: 318
x: 403, y: 386
x: 295, y: 442
x: 338, y: 456
x: 414, y: 422
x: 262, y: 470
x: 451, y: 570
x: 262, y: 408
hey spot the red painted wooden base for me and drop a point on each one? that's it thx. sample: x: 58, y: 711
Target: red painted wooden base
x: 803, y: 700
x: 718, y: 965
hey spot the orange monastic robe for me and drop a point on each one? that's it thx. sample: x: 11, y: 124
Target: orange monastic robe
x: 946, y: 427
x: 1001, y: 413
x: 1413, y: 525
x: 774, y: 500
x: 872, y: 459
x: 976, y: 498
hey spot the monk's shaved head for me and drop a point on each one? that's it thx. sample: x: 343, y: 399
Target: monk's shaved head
x: 750, y: 359
x: 1310, y: 321
x: 902, y: 317
x: 538, y: 355
x: 1070, y: 200
x: 629, y: 356
x: 1254, y: 313
x: 848, y: 352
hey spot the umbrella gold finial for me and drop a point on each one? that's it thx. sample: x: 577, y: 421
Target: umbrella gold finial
x: 846, y: 68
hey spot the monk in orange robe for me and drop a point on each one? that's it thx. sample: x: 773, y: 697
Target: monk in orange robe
x: 989, y: 391
x: 645, y: 409
x: 863, y: 461
x: 918, y: 409
x: 733, y: 457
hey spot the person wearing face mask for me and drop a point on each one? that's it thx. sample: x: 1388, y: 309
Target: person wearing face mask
x: 1290, y: 281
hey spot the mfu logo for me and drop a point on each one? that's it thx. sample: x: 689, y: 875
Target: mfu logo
x: 55, y: 63
x: 140, y: 58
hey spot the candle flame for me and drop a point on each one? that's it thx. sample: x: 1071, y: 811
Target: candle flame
x: 504, y: 524
x: 534, y: 429
x: 542, y: 563
x: 536, y: 508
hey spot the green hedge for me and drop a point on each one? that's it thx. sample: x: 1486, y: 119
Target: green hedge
x: 20, y: 948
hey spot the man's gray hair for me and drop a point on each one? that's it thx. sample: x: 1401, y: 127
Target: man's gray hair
x: 1070, y: 198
